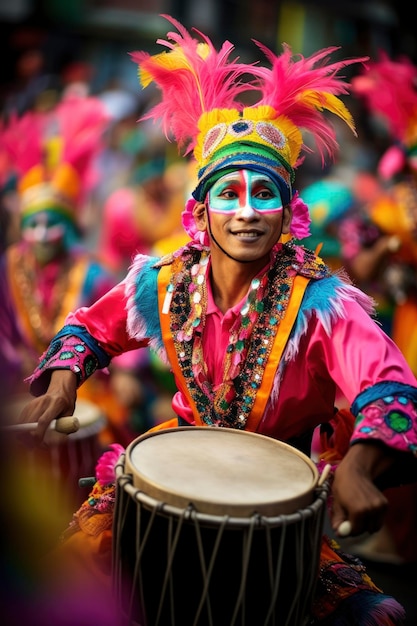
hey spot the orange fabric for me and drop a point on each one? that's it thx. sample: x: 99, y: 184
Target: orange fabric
x: 171, y: 423
x: 280, y: 341
x: 163, y: 281
x: 332, y: 563
x: 281, y: 338
x: 404, y: 331
x: 84, y: 554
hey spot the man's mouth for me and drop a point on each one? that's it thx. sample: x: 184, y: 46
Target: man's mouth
x: 245, y: 234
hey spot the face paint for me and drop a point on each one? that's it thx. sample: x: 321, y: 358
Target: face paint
x: 42, y: 228
x: 244, y: 191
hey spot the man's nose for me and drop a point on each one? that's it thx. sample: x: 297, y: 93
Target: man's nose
x: 247, y: 212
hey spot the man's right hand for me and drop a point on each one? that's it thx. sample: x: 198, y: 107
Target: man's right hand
x: 58, y: 401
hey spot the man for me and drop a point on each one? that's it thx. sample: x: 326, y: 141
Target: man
x: 259, y: 333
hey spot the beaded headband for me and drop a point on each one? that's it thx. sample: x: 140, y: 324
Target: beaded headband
x: 254, y: 139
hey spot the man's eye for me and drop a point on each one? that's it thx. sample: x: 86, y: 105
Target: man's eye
x: 228, y: 194
x: 263, y: 194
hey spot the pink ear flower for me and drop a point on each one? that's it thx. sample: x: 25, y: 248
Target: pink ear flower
x: 189, y: 224
x: 105, y: 467
x: 300, y: 223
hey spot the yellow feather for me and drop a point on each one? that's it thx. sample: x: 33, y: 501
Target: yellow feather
x: 173, y: 60
x: 293, y: 136
x: 333, y: 104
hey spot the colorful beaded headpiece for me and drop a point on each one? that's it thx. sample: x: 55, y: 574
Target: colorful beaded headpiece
x: 52, y: 154
x: 389, y: 89
x: 203, y: 106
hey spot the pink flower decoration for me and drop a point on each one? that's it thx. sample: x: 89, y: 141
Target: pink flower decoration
x: 300, y: 223
x: 105, y: 467
x: 189, y: 225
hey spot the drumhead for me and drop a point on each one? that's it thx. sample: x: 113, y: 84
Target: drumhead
x: 221, y: 471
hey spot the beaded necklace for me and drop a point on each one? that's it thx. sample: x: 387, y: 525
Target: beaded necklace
x: 251, y: 337
x: 42, y: 318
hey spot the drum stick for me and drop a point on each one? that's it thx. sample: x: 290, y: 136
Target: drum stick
x: 345, y: 528
x: 64, y: 425
x: 324, y: 475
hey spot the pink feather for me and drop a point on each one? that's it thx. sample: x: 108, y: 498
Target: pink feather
x: 79, y: 122
x: 287, y: 86
x: 192, y: 83
x: 389, y: 91
x: 392, y: 162
x: 202, y: 85
x: 21, y: 139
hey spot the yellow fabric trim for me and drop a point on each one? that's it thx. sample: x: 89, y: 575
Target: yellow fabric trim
x: 163, y: 282
x: 22, y: 313
x: 281, y: 338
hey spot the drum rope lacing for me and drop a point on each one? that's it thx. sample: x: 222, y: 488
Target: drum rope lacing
x: 190, y: 514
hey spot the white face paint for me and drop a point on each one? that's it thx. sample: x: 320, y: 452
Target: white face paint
x: 45, y: 232
x: 43, y: 228
x: 245, y: 191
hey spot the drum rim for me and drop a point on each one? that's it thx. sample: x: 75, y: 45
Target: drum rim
x: 124, y: 482
x: 176, y: 499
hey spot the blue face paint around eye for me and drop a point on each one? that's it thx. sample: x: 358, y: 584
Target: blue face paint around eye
x: 244, y: 190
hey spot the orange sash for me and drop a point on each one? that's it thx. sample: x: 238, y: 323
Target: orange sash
x: 280, y: 341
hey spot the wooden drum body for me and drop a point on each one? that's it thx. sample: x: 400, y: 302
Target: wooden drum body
x: 216, y: 526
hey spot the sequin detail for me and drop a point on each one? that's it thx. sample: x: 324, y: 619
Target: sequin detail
x: 251, y: 337
x: 213, y: 138
x: 271, y: 134
x: 73, y: 355
x: 388, y: 419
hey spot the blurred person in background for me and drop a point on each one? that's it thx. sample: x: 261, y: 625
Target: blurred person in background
x: 379, y: 249
x: 10, y: 337
x: 144, y: 216
x: 329, y: 200
x: 50, y: 270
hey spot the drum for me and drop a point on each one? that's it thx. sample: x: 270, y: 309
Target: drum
x: 55, y: 469
x: 215, y: 526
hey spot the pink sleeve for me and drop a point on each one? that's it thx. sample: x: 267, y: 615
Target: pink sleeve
x: 106, y: 321
x: 362, y: 359
x: 359, y: 354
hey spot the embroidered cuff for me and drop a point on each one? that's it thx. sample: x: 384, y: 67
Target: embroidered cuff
x: 73, y: 348
x: 390, y: 418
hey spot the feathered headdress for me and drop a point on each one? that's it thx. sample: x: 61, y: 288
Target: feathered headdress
x: 52, y: 154
x: 204, y: 106
x: 389, y: 89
